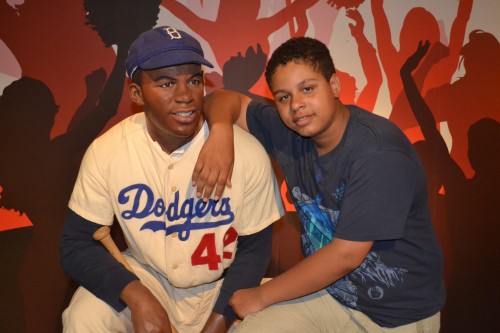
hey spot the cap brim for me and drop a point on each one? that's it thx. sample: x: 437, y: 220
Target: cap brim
x: 174, y: 58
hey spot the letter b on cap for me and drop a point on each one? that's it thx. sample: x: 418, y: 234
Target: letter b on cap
x: 174, y: 34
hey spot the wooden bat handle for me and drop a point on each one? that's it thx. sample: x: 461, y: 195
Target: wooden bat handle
x: 103, y: 235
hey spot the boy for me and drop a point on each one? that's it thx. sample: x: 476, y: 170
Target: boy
x: 188, y: 256
x: 373, y: 263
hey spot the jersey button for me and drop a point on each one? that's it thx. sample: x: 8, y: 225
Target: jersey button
x: 175, y: 266
x: 174, y: 189
x: 174, y: 235
x: 170, y: 167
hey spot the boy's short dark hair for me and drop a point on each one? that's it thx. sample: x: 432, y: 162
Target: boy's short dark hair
x: 307, y: 50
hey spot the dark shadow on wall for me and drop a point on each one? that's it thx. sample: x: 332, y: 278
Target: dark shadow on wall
x: 37, y: 172
x: 241, y: 73
x: 418, y: 24
x: 237, y: 25
x: 471, y: 97
x: 471, y: 208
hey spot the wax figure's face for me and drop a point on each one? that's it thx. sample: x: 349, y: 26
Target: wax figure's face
x: 172, y: 99
x: 306, y: 101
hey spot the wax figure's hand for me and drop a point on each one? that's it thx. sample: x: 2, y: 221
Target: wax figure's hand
x: 148, y: 315
x: 247, y: 301
x: 214, y: 167
x: 217, y: 323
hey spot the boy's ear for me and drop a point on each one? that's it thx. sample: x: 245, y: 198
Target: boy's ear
x: 335, y: 85
x: 135, y: 93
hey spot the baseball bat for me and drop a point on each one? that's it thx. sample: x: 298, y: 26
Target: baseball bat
x: 103, y: 235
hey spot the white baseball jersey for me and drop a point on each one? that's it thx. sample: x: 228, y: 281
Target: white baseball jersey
x: 126, y: 174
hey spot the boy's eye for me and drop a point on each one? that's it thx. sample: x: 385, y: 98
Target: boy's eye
x: 307, y: 89
x: 282, y: 98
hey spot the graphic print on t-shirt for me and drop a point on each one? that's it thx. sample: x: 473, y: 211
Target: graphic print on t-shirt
x: 318, y: 229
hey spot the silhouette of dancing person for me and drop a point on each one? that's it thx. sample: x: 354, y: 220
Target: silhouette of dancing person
x: 419, y: 24
x: 472, y: 97
x: 50, y: 38
x: 320, y: 14
x: 237, y: 25
x: 367, y: 97
x: 37, y: 172
x: 240, y: 73
x: 473, y: 212
x: 35, y: 175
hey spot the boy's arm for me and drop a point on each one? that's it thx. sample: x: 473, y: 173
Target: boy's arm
x: 212, y: 171
x: 327, y: 265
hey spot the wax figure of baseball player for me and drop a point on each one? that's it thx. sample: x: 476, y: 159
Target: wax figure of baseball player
x: 373, y: 262
x: 188, y: 255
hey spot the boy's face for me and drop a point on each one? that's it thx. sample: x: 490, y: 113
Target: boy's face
x: 172, y: 99
x: 306, y: 100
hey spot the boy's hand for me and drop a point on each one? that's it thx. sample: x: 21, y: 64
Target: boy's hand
x: 214, y: 167
x: 247, y: 301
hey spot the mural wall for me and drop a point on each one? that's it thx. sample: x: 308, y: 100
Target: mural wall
x: 62, y: 83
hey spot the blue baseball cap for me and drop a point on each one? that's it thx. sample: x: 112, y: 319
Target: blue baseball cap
x: 164, y: 47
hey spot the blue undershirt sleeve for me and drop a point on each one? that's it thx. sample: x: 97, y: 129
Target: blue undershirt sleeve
x: 247, y: 270
x: 90, y: 264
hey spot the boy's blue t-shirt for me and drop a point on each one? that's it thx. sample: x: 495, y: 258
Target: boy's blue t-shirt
x: 371, y: 187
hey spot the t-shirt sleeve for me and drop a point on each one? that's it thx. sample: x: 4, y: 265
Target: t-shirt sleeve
x: 378, y: 197
x: 265, y: 124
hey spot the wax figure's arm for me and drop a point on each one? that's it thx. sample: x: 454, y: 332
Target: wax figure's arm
x: 312, y: 274
x: 212, y: 171
x: 247, y: 270
x: 93, y: 267
x: 90, y: 264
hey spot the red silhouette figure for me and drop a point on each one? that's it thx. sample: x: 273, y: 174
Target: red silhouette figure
x: 369, y: 62
x: 345, y: 3
x: 472, y: 208
x: 237, y: 26
x: 419, y: 24
x: 472, y: 97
